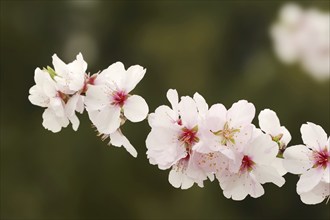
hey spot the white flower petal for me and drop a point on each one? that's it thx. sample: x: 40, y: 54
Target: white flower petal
x: 135, y: 109
x: 57, y: 105
x: 75, y: 121
x: 113, y: 75
x: 178, y: 178
x: 107, y: 120
x: 316, y: 195
x: 241, y: 113
x: 96, y: 98
x: 269, y: 122
x: 253, y: 187
x: 326, y: 175
x: 216, y: 117
x: 262, y: 150
x: 313, y: 136
x: 163, y: 116
x: 233, y: 185
x: 296, y: 159
x: 80, y: 104
x: 118, y: 139
x: 132, y: 77
x: 71, y: 105
x: 286, y: 135
x: 202, y: 106
x: 243, y: 137
x: 52, y: 122
x: 188, y: 112
x: 309, y: 180
x: 278, y: 165
x: 59, y: 66
x: 37, y: 97
x: 173, y: 98
x: 268, y: 174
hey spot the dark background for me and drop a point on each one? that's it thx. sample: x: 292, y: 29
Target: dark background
x: 220, y: 49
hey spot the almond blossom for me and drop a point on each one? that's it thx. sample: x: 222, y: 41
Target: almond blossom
x: 270, y: 124
x: 312, y: 161
x: 70, y: 78
x: 109, y: 102
x: 255, y: 168
x: 302, y: 36
x: 60, y: 106
x: 227, y: 131
x: 172, y: 138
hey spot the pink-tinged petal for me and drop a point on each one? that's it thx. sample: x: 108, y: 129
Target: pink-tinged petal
x: 326, y: 175
x: 317, y: 194
x: 268, y: 174
x: 173, y: 98
x: 107, y: 120
x: 235, y: 164
x: 309, y: 180
x: 163, y: 116
x: 297, y: 159
x: 113, y: 75
x: 242, y: 138
x: 269, y: 122
x: 132, y: 77
x: 135, y: 109
x: 163, y: 148
x: 216, y: 117
x: 241, y: 113
x: 313, y: 136
x: 253, y: 187
x: 118, y: 139
x: 233, y: 186
x: 211, y: 163
x: 178, y: 178
x: 194, y: 170
x: 162, y: 136
x: 228, y: 152
x: 188, y: 112
x: 262, y: 150
x: 202, y: 106
x: 52, y: 122
x: 96, y: 98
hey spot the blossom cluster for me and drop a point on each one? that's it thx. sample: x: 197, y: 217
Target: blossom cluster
x: 68, y: 89
x: 302, y: 36
x: 198, y: 142
x: 195, y: 141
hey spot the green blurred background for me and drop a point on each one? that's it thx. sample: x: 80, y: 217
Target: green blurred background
x: 220, y: 49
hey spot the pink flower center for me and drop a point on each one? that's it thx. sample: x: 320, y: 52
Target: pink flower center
x: 321, y: 158
x: 119, y: 98
x: 247, y: 164
x: 189, y: 136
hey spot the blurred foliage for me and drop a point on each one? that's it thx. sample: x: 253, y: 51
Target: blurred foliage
x: 220, y: 49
